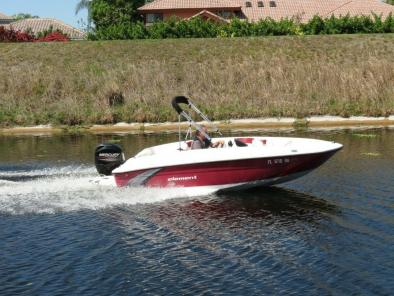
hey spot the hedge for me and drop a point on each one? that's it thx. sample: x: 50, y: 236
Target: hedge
x: 199, y: 28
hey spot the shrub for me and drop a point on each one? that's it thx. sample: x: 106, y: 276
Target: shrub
x: 53, y: 37
x: 388, y: 24
x: 10, y: 35
x: 199, y: 28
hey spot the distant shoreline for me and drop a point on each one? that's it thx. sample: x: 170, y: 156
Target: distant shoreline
x: 326, y: 122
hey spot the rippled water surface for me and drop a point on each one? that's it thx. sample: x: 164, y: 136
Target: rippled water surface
x: 329, y: 233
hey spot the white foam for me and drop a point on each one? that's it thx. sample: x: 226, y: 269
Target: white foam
x: 46, y: 172
x: 69, y: 193
x: 6, y: 182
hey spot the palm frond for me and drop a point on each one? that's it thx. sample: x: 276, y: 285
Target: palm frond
x: 83, y: 4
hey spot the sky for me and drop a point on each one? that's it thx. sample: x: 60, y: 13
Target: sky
x: 59, y: 9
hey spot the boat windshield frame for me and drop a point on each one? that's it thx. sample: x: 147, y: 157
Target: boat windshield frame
x: 182, y: 113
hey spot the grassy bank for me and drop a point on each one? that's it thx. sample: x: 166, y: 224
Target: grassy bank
x: 82, y: 82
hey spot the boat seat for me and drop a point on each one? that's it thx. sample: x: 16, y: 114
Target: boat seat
x: 186, y: 145
x: 240, y: 143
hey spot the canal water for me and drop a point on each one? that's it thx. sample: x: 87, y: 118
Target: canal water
x: 328, y: 233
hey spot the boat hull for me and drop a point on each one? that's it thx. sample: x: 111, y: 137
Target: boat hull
x: 226, y: 174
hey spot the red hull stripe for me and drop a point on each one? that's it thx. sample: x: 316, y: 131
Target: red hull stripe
x: 228, y: 172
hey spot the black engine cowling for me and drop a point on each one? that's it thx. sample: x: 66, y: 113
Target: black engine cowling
x: 108, y: 157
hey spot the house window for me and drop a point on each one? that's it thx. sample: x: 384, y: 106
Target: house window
x: 260, y: 4
x: 248, y: 4
x: 272, y: 4
x: 153, y: 17
x: 225, y: 14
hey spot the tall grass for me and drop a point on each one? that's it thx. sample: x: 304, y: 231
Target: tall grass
x: 79, y: 82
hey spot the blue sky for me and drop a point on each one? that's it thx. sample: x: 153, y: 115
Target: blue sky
x: 60, y: 9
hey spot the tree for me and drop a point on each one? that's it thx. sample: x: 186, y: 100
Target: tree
x: 389, y: 2
x: 85, y: 4
x: 106, y: 13
x: 22, y: 16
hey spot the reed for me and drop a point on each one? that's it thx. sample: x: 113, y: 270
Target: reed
x: 82, y: 83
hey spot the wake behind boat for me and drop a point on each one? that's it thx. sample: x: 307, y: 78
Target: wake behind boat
x: 241, y: 162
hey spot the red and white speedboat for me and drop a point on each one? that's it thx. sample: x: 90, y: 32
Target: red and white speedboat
x: 241, y: 163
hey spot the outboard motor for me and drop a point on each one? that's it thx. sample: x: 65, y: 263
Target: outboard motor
x: 108, y: 157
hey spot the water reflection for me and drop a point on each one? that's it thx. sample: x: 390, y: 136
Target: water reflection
x: 259, y: 205
x: 273, y: 201
x: 259, y: 209
x: 255, y: 235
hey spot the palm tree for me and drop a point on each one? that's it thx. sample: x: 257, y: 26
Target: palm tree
x: 85, y: 4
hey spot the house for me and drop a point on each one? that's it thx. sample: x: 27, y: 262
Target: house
x: 255, y: 10
x: 5, y: 19
x: 37, y: 25
x: 217, y: 10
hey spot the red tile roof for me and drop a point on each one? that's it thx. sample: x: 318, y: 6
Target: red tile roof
x: 5, y: 17
x: 363, y: 7
x: 37, y: 25
x: 188, y: 4
x: 302, y: 9
x: 306, y: 9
